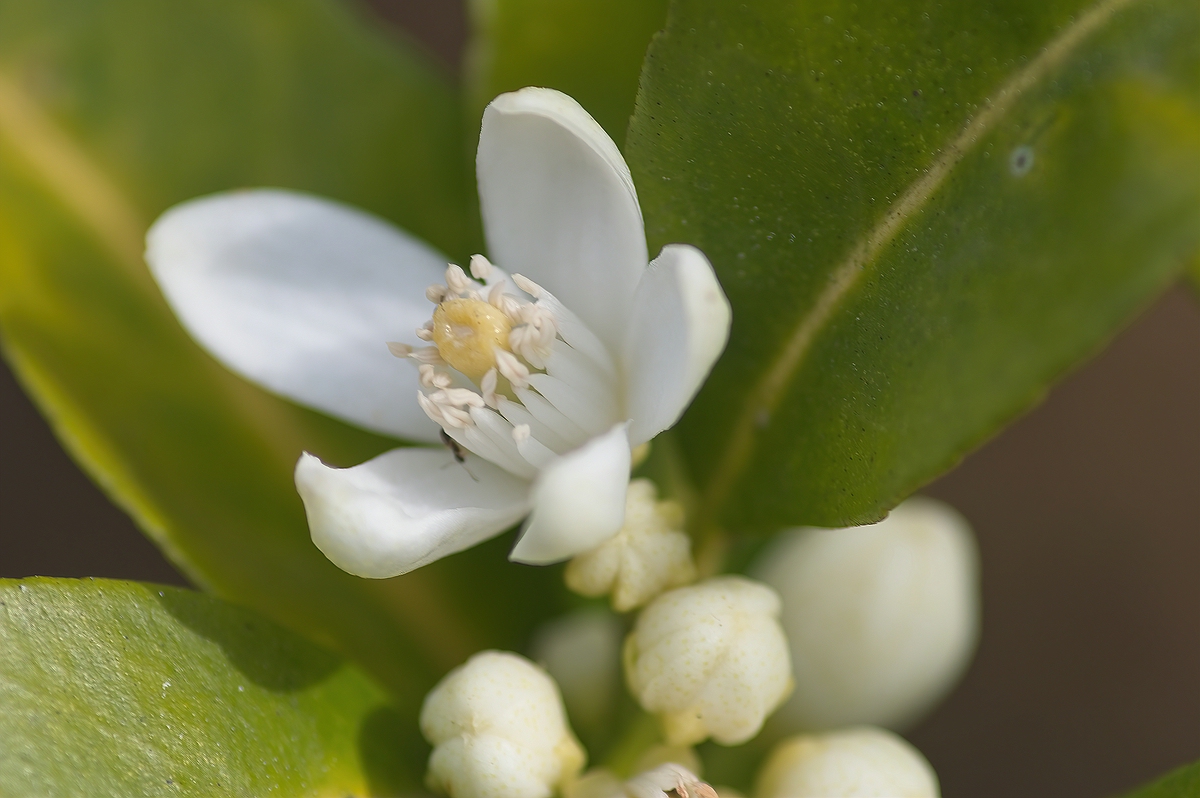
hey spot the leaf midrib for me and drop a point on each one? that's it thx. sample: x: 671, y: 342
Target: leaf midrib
x: 763, y: 399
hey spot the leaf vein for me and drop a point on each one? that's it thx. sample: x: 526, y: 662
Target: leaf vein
x: 764, y: 398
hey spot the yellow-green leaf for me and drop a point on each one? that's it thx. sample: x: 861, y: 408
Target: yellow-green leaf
x: 113, y: 110
x: 117, y: 688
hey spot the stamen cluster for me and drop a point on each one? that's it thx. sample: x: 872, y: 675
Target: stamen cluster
x: 501, y: 379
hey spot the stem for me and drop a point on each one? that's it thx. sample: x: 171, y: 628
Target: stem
x: 641, y: 734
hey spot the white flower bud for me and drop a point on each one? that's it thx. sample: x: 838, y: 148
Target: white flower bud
x: 882, y: 619
x: 711, y: 659
x: 582, y: 652
x: 855, y: 763
x: 668, y: 780
x: 650, y: 554
x: 498, y: 731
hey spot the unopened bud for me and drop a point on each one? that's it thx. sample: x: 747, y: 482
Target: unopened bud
x: 710, y: 659
x: 881, y: 619
x: 865, y: 762
x: 669, y: 780
x: 650, y: 554
x: 498, y: 731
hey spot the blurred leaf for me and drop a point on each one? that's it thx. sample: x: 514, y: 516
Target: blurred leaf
x: 922, y: 214
x: 1181, y: 783
x: 1193, y: 272
x: 111, y: 111
x: 117, y: 688
x: 590, y: 49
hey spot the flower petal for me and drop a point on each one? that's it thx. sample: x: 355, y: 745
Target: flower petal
x: 678, y: 328
x: 559, y: 205
x: 578, y: 501
x: 406, y: 508
x: 301, y: 295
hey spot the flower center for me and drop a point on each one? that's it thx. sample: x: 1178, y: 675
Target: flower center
x: 467, y: 333
x: 521, y: 411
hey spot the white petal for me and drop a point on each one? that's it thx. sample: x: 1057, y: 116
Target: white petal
x: 552, y: 417
x: 406, y: 508
x: 591, y: 412
x: 559, y: 205
x: 679, y: 327
x: 518, y: 414
x: 301, y: 295
x: 578, y: 501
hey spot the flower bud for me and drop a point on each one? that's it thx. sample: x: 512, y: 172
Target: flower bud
x: 855, y: 763
x: 882, y: 619
x: 498, y: 731
x: 650, y: 554
x: 711, y: 659
x: 668, y: 780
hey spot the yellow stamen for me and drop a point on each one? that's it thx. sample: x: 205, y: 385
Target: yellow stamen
x: 466, y: 333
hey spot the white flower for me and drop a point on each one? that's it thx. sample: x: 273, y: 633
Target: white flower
x: 882, y: 619
x: 543, y: 381
x: 650, y: 554
x: 498, y: 731
x: 711, y: 659
x: 856, y: 763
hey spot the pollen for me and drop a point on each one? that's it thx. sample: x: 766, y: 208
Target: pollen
x: 467, y: 333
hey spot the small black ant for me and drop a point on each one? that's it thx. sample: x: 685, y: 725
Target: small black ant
x: 456, y: 451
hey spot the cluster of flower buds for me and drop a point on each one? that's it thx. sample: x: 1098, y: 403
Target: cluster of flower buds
x: 869, y: 624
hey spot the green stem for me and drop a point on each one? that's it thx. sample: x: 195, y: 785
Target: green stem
x: 641, y: 734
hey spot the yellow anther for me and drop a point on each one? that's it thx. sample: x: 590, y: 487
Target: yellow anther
x: 467, y: 331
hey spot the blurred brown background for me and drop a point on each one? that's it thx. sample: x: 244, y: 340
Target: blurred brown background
x: 1087, y: 680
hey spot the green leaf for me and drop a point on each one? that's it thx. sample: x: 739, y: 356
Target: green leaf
x: 1183, y: 782
x: 118, y: 688
x: 590, y: 49
x: 109, y: 113
x: 922, y: 214
x: 1193, y: 272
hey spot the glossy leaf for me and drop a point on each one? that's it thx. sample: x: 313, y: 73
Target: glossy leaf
x: 1181, y: 783
x: 590, y: 49
x: 922, y: 214
x: 118, y: 688
x: 109, y: 113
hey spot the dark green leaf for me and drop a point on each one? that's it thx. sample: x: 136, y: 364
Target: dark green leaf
x: 112, y: 110
x: 1181, y: 783
x: 590, y: 49
x: 115, y: 688
x: 923, y: 213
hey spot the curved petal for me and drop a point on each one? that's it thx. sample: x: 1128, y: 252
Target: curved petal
x: 559, y: 205
x: 677, y: 330
x: 578, y: 501
x: 406, y: 508
x: 301, y: 295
